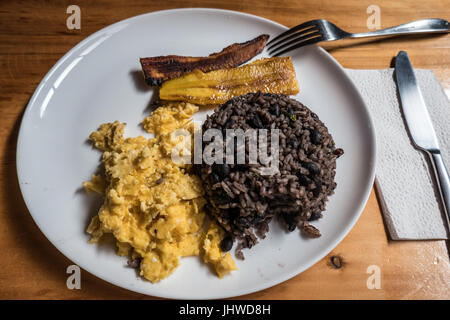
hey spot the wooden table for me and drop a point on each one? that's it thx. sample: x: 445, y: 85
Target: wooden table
x: 33, y: 36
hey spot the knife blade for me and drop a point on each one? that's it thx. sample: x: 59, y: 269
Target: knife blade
x: 414, y: 108
x: 420, y: 126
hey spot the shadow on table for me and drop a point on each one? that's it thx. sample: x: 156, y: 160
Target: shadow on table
x: 334, y: 46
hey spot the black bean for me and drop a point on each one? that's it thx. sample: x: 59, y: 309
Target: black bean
x: 315, y: 216
x: 292, y: 227
x: 317, y: 181
x: 290, y: 112
x: 290, y: 221
x: 339, y: 152
x: 228, y: 125
x: 304, y: 180
x: 316, y: 137
x: 233, y: 213
x: 226, y: 244
x: 222, y: 199
x: 275, y: 109
x: 311, y: 167
x: 222, y: 170
x: 257, y: 121
x: 242, y: 222
x: 318, y: 189
x: 215, y: 177
x: 134, y: 263
x: 258, y: 218
x: 294, y: 143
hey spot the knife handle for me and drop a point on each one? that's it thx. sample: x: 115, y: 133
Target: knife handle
x: 441, y: 174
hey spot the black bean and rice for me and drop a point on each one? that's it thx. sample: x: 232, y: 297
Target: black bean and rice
x: 243, y: 201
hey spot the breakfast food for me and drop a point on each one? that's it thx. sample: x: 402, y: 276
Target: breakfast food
x: 270, y: 75
x: 160, y: 210
x: 152, y: 205
x: 158, y: 69
x: 241, y: 199
x: 168, y: 118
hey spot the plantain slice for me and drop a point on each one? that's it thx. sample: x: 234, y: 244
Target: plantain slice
x: 158, y: 69
x: 268, y: 75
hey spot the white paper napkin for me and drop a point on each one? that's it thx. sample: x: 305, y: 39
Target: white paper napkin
x: 405, y: 185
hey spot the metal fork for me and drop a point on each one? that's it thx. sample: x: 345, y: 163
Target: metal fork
x: 315, y: 31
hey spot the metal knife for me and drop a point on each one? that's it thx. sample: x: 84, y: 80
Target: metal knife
x: 420, y: 126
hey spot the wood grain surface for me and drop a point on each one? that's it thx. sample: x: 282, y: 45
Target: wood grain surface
x: 33, y: 36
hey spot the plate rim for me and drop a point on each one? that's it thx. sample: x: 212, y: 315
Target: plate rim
x: 343, y: 233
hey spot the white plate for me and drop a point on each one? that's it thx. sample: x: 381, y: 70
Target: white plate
x: 99, y: 81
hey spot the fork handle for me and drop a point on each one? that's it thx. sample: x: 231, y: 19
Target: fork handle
x: 418, y: 26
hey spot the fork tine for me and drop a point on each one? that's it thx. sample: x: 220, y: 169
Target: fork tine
x: 296, y: 37
x: 294, y: 29
x: 298, y: 45
x: 300, y: 39
x: 281, y: 41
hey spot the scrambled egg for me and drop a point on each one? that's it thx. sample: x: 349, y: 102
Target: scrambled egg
x: 223, y: 264
x: 152, y: 205
x: 169, y: 117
